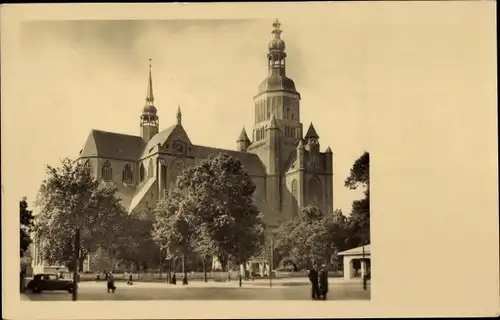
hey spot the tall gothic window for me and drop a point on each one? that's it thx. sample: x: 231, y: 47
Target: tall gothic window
x: 294, y: 198
x: 176, y: 167
x: 150, y: 168
x: 141, y: 172
x: 107, y: 172
x: 88, y: 166
x: 315, y: 192
x: 127, y: 174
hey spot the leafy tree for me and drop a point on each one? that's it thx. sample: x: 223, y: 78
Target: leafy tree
x: 360, y: 214
x: 223, y: 216
x: 312, y: 237
x: 172, y: 228
x: 71, y: 200
x: 26, y: 226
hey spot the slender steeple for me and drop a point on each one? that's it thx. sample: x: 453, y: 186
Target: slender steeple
x: 149, y: 118
x: 150, y: 99
x: 243, y: 142
x: 312, y: 139
x: 179, y: 115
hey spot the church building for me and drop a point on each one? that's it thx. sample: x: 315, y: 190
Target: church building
x: 287, y: 167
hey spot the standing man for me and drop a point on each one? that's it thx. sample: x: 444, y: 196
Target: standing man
x: 313, y: 278
x: 323, y: 282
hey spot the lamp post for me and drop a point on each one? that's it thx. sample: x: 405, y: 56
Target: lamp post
x: 363, y: 264
x: 271, y: 262
x: 74, y: 292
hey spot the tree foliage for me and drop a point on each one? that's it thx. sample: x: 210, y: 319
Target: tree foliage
x: 312, y: 237
x: 26, y: 225
x: 211, y: 212
x: 71, y: 198
x: 360, y: 213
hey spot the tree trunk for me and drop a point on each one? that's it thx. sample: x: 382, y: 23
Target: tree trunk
x: 184, y: 271
x: 228, y: 270
x: 205, y: 278
x: 76, y: 264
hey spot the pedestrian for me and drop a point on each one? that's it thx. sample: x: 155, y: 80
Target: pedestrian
x: 323, y: 282
x: 174, y: 279
x: 111, y: 283
x: 130, y: 282
x: 184, y: 279
x: 313, y: 278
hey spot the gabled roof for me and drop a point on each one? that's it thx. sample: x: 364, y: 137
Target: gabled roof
x: 162, y: 137
x: 272, y: 124
x: 250, y: 161
x: 356, y: 251
x: 243, y: 136
x: 311, y: 132
x: 112, y: 145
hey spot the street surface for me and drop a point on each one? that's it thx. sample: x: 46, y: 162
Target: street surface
x: 284, y: 289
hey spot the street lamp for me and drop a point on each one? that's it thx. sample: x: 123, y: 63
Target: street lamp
x: 271, y: 261
x: 74, y: 292
x: 363, y: 264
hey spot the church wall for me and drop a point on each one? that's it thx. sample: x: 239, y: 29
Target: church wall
x: 315, y: 190
x: 289, y: 201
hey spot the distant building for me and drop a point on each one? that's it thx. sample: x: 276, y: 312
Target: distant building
x: 357, y: 262
x: 287, y: 167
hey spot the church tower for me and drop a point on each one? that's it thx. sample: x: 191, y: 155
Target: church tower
x: 277, y: 95
x: 277, y: 129
x: 149, y: 119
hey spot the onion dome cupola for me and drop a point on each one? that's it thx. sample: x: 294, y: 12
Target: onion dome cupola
x: 276, y: 58
x: 149, y: 116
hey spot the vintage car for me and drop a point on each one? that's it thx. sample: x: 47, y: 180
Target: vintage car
x: 49, y: 282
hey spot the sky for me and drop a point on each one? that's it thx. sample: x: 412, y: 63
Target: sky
x: 83, y: 75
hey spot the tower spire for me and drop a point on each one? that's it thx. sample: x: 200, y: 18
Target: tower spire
x: 149, y: 95
x: 179, y: 115
x: 149, y: 117
x: 276, y: 29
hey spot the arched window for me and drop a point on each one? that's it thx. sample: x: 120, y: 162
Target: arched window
x: 127, y: 174
x: 141, y: 172
x: 294, y: 198
x: 107, y: 172
x: 150, y: 168
x: 315, y: 192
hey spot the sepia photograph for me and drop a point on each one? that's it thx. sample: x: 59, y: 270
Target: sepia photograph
x: 235, y: 160
x: 160, y: 202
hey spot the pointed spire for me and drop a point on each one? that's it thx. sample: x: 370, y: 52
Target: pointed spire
x: 300, y: 146
x: 328, y: 150
x: 179, y: 115
x: 149, y: 95
x: 311, y: 132
x: 243, y: 136
x: 272, y: 124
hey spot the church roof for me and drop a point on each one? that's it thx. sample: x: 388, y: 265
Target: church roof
x: 311, y: 132
x: 160, y: 138
x: 243, y: 136
x: 112, y: 145
x: 277, y: 83
x: 250, y: 161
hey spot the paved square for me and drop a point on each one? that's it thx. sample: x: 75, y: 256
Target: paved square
x: 198, y: 290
